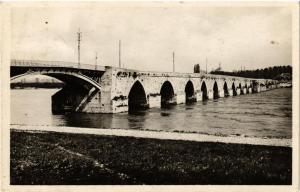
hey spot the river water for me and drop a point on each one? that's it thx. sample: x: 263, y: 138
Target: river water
x: 266, y: 114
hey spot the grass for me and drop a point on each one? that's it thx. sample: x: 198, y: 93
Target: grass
x: 61, y: 158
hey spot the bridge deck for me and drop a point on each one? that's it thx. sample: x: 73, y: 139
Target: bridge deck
x: 90, y: 67
x: 54, y: 64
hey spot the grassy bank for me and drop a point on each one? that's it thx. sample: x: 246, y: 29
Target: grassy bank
x: 60, y: 158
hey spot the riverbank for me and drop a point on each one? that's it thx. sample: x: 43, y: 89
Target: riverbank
x: 39, y: 157
x: 166, y: 135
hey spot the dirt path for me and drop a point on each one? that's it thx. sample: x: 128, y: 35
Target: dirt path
x: 160, y: 135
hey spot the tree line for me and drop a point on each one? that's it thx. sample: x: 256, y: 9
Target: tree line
x: 276, y: 72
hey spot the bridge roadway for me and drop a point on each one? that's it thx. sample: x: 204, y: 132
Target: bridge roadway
x: 99, y: 89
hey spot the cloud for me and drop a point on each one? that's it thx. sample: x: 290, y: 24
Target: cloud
x: 239, y: 36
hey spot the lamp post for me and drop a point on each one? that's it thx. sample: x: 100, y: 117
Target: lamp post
x: 96, y: 61
x: 173, y: 61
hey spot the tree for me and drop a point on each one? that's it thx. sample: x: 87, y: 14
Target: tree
x: 266, y: 73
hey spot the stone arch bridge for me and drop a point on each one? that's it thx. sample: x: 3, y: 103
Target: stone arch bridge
x: 98, y: 89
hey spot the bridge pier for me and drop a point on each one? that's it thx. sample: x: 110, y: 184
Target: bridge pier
x: 198, y: 95
x: 257, y: 90
x: 250, y: 90
x: 180, y: 98
x: 154, y: 100
x: 262, y: 88
x: 117, y: 105
x: 190, y: 99
x: 222, y: 93
x: 230, y: 91
x: 210, y: 94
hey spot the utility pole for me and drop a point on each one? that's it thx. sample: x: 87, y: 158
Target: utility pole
x: 173, y: 62
x: 79, y: 35
x: 96, y: 61
x: 206, y: 64
x: 120, y: 53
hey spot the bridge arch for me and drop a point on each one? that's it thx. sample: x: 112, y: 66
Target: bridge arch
x: 247, y: 88
x: 226, y: 91
x: 204, y: 91
x: 269, y: 84
x: 241, y: 89
x: 76, y: 94
x: 234, y: 93
x: 167, y: 94
x: 215, y: 91
x: 189, y: 92
x: 137, y: 97
x: 250, y: 87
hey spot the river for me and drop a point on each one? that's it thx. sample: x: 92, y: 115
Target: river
x: 266, y: 114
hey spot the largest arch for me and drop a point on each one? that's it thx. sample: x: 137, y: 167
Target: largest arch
x: 80, y: 93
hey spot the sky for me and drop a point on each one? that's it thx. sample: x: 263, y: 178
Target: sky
x: 233, y: 37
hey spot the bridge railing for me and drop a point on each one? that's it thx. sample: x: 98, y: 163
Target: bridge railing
x: 41, y: 63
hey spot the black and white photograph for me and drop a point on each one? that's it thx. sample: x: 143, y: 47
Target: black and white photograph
x: 150, y: 94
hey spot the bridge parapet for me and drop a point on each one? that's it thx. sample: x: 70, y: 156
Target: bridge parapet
x: 42, y: 63
x: 122, y: 72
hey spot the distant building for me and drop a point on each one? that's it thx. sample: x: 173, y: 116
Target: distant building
x: 197, y: 69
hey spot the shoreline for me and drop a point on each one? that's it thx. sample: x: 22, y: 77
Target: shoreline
x: 159, y: 135
x: 69, y: 158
